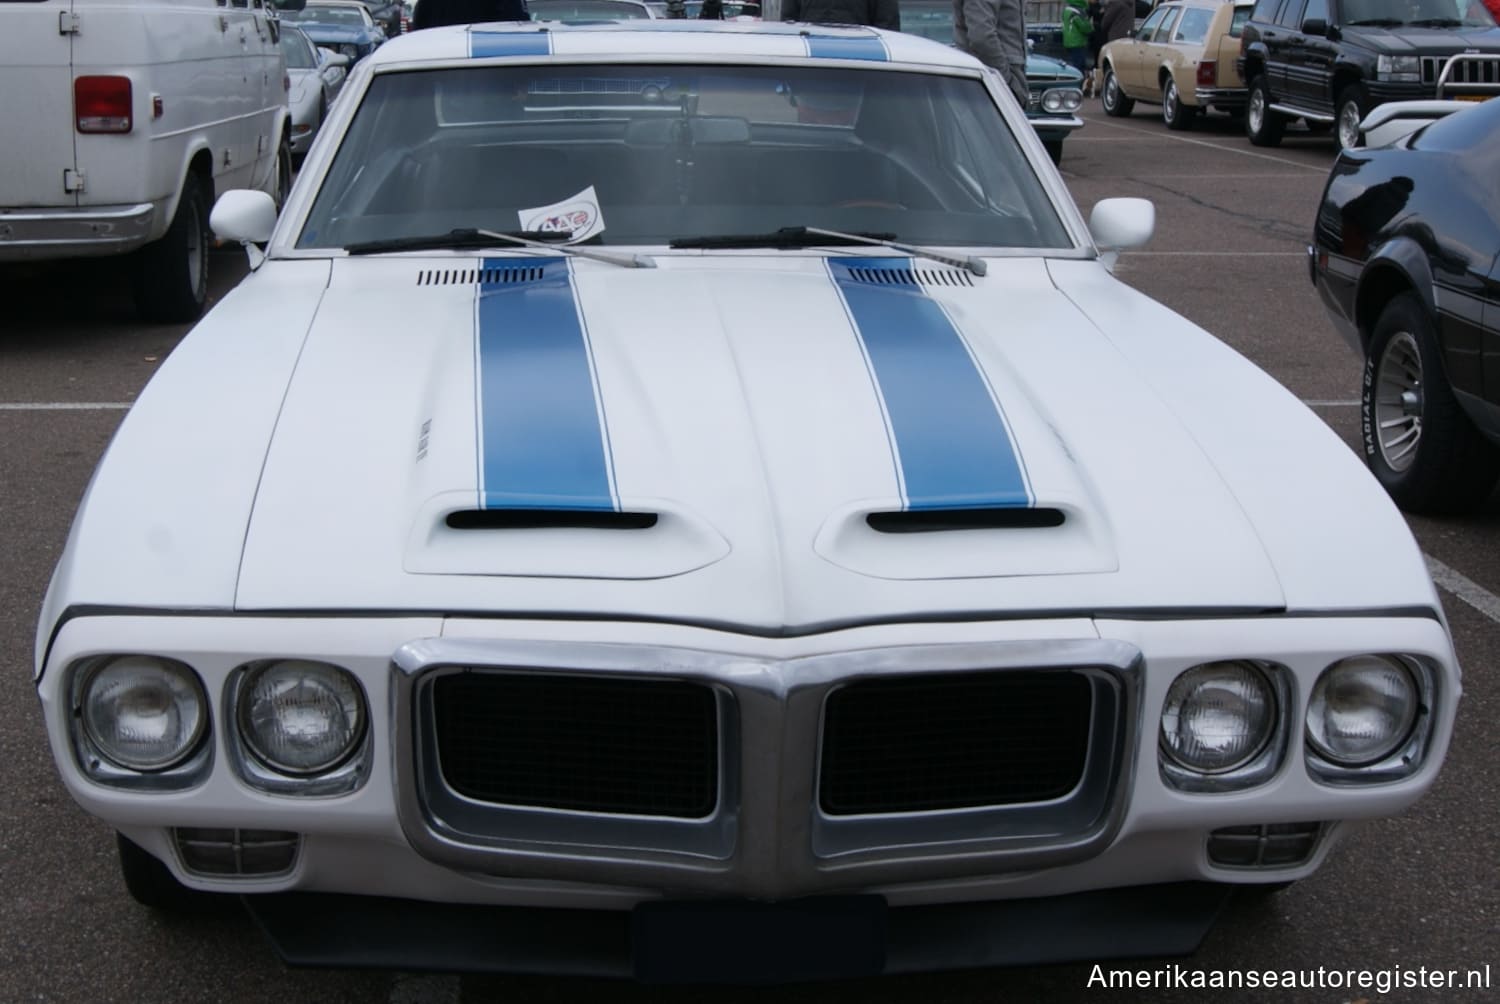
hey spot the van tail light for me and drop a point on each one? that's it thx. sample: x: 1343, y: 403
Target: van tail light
x: 1207, y: 70
x: 102, y: 104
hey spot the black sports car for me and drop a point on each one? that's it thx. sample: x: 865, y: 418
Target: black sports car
x: 1406, y: 257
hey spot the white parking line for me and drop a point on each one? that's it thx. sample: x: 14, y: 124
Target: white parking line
x: 1464, y: 588
x: 1319, y: 168
x: 64, y: 405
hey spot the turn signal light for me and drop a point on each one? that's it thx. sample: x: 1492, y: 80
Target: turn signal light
x: 102, y: 104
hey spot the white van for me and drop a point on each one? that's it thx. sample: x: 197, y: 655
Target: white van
x: 123, y: 119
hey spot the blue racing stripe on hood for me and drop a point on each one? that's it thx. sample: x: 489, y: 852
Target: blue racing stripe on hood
x: 847, y: 47
x: 509, y: 43
x: 542, y: 437
x: 953, y: 446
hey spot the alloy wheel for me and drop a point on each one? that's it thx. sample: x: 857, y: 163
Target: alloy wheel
x: 1398, y: 401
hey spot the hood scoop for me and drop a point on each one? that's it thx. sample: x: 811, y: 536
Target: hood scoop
x: 939, y: 520
x: 913, y: 277
x: 549, y: 519
x: 510, y: 275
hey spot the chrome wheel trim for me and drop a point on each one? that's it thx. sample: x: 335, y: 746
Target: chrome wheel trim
x: 1398, y: 401
x: 1111, y: 89
x: 1348, y: 127
x: 1255, y: 114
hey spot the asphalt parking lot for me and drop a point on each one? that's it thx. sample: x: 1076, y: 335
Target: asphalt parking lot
x: 1421, y: 890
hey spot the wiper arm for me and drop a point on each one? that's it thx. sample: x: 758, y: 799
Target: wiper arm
x: 469, y: 237
x: 802, y: 237
x: 1437, y: 22
x: 1377, y: 22
x: 625, y: 261
x: 464, y: 237
x: 786, y: 237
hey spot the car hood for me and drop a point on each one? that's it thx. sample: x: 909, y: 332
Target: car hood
x: 1419, y: 41
x: 461, y: 438
x: 303, y: 84
x: 462, y: 434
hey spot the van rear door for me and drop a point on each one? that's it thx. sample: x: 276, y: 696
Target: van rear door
x: 36, y: 113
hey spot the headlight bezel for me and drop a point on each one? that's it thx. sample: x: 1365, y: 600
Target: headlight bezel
x: 347, y: 773
x: 186, y: 770
x: 1258, y: 767
x: 1406, y: 757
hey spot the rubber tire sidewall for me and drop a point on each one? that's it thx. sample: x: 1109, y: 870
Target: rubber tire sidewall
x: 1272, y: 125
x: 1122, y: 105
x: 164, y: 289
x: 1174, y: 113
x: 1054, y: 149
x: 1455, y: 467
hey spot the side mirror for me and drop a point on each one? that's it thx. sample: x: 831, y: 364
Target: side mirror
x: 1119, y: 224
x: 245, y: 216
x: 1315, y: 26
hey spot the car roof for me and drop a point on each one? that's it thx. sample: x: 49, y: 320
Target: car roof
x: 670, y: 39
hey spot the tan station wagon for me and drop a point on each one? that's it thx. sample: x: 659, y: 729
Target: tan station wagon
x: 1182, y: 57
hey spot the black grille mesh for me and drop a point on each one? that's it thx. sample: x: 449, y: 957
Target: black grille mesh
x: 922, y: 744
x: 642, y: 747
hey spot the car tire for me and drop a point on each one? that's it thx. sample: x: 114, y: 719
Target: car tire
x: 1349, y: 111
x: 171, y: 274
x: 152, y: 884
x: 1116, y: 104
x: 283, y: 170
x: 1054, y: 149
x: 1174, y: 113
x: 1417, y: 440
x: 1262, y: 125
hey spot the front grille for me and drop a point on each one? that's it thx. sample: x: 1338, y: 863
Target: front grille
x: 1467, y: 69
x: 1276, y: 845
x: 629, y: 746
x: 952, y: 741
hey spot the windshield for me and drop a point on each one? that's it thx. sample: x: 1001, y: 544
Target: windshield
x: 1457, y: 13
x: 670, y: 152
x: 349, y: 16
x: 298, y: 51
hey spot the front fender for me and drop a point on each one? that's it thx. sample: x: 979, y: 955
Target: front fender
x: 1397, y: 265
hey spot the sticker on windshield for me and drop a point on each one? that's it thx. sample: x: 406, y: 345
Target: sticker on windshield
x: 579, y: 214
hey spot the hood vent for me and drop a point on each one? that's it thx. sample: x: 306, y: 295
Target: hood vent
x: 549, y: 519
x: 508, y: 276
x: 935, y: 520
x: 910, y: 276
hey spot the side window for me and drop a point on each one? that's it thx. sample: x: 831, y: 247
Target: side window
x: 1193, y: 27
x: 1291, y: 14
x: 241, y: 4
x: 1315, y: 9
x: 1265, y: 10
x: 1149, y: 27
x: 1237, y: 21
x: 1164, y: 33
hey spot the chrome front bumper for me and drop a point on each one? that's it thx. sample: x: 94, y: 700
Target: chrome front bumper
x: 767, y: 835
x: 63, y: 232
x: 1055, y: 126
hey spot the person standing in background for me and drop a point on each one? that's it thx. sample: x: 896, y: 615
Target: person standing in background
x: 1076, y: 29
x: 994, y: 32
x: 876, y: 13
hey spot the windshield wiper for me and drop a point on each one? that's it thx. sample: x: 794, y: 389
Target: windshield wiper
x: 801, y: 237
x: 1377, y: 22
x: 468, y: 237
x: 464, y: 237
x: 1437, y: 22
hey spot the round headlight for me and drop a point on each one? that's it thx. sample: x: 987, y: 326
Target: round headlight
x: 1361, y: 710
x: 301, y: 717
x: 1218, y: 716
x: 143, y: 713
x: 1062, y: 99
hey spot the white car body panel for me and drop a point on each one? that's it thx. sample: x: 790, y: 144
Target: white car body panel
x: 283, y: 490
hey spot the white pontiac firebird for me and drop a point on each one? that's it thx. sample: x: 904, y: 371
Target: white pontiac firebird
x: 704, y: 484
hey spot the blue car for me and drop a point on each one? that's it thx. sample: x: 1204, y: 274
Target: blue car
x: 1056, y: 87
x: 345, y: 26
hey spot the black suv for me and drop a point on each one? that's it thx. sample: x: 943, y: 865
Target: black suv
x: 1328, y: 62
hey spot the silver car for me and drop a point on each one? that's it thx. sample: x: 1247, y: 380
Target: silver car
x: 315, y: 78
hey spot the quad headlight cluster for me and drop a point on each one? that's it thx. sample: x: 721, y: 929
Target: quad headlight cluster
x: 293, y: 726
x: 1062, y: 99
x: 1225, y: 725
